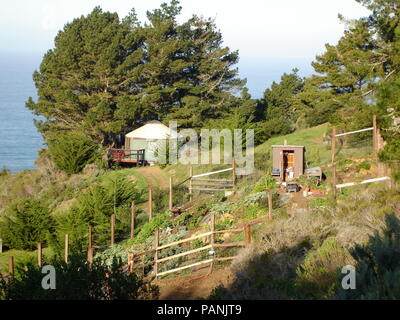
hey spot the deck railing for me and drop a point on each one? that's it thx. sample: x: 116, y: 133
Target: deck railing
x: 127, y: 154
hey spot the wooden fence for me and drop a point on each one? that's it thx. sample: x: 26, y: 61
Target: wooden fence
x: 136, y: 261
x: 377, y: 143
x: 201, y: 182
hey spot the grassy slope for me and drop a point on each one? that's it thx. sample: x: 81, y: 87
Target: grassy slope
x: 311, y: 138
x: 21, y: 257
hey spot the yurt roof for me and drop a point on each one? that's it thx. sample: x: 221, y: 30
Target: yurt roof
x: 153, y: 130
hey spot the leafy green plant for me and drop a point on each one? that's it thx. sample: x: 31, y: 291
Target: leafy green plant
x: 4, y: 171
x: 316, y: 276
x: 320, y: 202
x: 160, y: 221
x: 252, y: 212
x: 223, y: 207
x: 266, y: 183
x: 365, y: 165
x: 78, y: 280
x: 26, y: 223
x: 224, y: 224
x: 308, y: 182
x: 343, y: 164
x: 377, y: 265
x: 71, y: 153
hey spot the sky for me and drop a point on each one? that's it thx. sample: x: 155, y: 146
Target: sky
x: 271, y: 35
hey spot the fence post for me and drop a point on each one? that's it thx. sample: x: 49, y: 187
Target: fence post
x: 90, y: 251
x: 90, y: 255
x: 1, y: 245
x: 90, y: 237
x: 269, y: 204
x: 39, y: 248
x: 375, y: 136
x: 112, y: 229
x: 11, y: 265
x: 388, y: 173
x: 170, y: 194
x: 379, y: 140
x: 66, y: 248
x: 150, y: 204
x: 130, y: 262
x: 247, y: 233
x: 234, y: 171
x: 133, y: 213
x: 156, y: 244
x: 333, y: 143
x: 190, y: 183
x: 334, y: 181
x: 212, y: 240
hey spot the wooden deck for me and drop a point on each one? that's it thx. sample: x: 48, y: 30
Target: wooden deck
x: 127, y: 156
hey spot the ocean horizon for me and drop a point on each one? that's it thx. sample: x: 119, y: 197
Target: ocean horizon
x: 19, y: 139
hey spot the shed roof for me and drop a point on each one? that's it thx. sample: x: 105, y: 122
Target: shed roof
x: 153, y: 130
x: 288, y: 146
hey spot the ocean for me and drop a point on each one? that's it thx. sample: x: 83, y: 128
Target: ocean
x: 19, y: 139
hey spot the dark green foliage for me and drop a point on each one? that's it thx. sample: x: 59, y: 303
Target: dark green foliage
x: 365, y: 165
x: 378, y: 265
x: 27, y: 222
x: 107, y: 76
x: 71, y: 153
x: 160, y: 221
x: 345, y: 73
x: 317, y: 275
x: 388, y: 98
x: 4, y: 171
x: 160, y: 200
x: 358, y: 77
x: 113, y: 195
x: 78, y: 281
x: 276, y: 108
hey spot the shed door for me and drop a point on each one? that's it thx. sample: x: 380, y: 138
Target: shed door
x: 290, y: 160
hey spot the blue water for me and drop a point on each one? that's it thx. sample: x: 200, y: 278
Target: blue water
x: 19, y: 139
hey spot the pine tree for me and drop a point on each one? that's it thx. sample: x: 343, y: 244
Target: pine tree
x: 276, y: 107
x: 27, y: 222
x: 106, y: 76
x: 82, y: 83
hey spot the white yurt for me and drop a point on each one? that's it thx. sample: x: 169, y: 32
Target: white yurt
x: 148, y: 138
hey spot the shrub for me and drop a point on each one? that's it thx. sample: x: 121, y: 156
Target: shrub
x: 377, y: 265
x: 114, y: 193
x: 308, y: 182
x: 4, y: 171
x: 27, y: 223
x: 71, y: 153
x: 316, y: 276
x: 161, y: 221
x: 365, y: 165
x: 266, y: 183
x: 320, y: 202
x: 78, y: 281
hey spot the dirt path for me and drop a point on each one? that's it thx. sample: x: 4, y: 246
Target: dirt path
x: 154, y: 176
x: 194, y: 286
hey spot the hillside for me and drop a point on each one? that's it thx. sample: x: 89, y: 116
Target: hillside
x: 297, y: 254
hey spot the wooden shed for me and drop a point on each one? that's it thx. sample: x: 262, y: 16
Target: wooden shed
x: 287, y: 161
